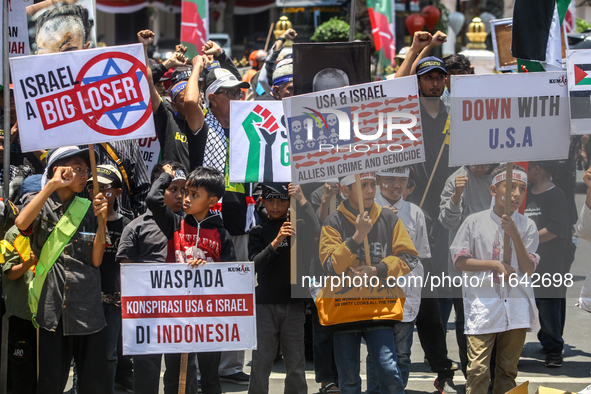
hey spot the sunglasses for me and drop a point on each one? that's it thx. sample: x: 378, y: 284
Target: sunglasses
x: 232, y: 94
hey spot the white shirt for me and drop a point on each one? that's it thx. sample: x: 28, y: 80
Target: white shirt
x: 583, y: 228
x: 491, y: 305
x: 414, y: 221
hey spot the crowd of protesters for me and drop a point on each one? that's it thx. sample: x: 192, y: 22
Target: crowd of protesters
x: 428, y: 218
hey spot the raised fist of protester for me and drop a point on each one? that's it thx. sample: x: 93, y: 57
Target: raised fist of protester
x: 460, y: 183
x: 509, y: 227
x: 587, y: 177
x: 211, y: 48
x: 438, y: 39
x: 330, y: 190
x: 180, y: 48
x: 296, y: 192
x: 100, y: 204
x: 175, y: 60
x: 363, y: 226
x: 62, y: 176
x: 168, y: 169
x: 289, y: 34
x: 196, y: 263
x: 421, y: 39
x: 145, y: 37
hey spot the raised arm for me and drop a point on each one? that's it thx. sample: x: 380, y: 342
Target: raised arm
x: 420, y: 40
x: 195, y: 117
x: 146, y: 37
x: 438, y: 39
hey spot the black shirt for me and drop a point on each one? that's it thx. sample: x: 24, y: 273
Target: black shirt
x: 176, y: 138
x: 549, y: 210
x: 110, y: 269
x: 433, y: 138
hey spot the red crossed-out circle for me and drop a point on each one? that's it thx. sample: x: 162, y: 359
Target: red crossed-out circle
x: 135, y: 65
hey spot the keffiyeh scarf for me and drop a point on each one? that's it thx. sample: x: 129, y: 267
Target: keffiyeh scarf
x: 216, y: 145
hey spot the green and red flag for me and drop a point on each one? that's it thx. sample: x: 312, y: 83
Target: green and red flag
x: 536, y: 38
x: 194, y: 25
x: 582, y: 74
x: 381, y: 15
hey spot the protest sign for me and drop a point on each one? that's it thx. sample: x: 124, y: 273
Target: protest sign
x: 172, y: 308
x: 354, y: 129
x: 82, y: 97
x: 61, y: 27
x: 501, y: 31
x: 578, y: 66
x: 150, y: 148
x: 341, y: 64
x: 508, y: 117
x: 259, y: 151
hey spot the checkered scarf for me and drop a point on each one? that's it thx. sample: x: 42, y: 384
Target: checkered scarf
x: 216, y: 145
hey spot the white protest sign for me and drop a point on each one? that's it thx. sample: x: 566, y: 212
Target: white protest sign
x: 82, y: 97
x: 172, y: 308
x: 508, y: 117
x: 18, y: 33
x: 150, y: 148
x: 259, y: 151
x: 354, y: 129
x: 578, y: 66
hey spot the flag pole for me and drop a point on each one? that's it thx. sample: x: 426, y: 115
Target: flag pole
x: 269, y: 36
x: 95, y: 186
x: 293, y: 248
x: 6, y: 93
x: 183, y: 373
x: 361, y: 209
x: 508, y: 191
x: 352, y: 21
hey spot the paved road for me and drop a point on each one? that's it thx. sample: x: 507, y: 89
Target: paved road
x: 574, y: 375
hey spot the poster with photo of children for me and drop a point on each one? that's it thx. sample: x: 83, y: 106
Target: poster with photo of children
x: 341, y: 64
x: 61, y: 26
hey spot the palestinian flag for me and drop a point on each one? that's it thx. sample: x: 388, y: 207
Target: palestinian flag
x: 381, y: 16
x: 536, y: 36
x: 194, y: 25
x: 582, y: 74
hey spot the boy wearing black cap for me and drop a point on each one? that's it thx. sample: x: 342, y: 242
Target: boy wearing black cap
x: 110, y: 184
x: 280, y: 318
x: 547, y: 207
x: 65, y: 296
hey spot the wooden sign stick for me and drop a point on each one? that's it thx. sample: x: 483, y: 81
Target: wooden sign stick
x: 269, y: 36
x: 432, y: 174
x: 361, y: 209
x: 183, y: 373
x: 95, y: 187
x: 293, y: 251
x: 508, y: 190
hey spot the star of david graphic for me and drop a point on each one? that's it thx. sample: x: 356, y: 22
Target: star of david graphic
x: 112, y: 69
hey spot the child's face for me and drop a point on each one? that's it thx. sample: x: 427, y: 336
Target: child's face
x: 392, y: 187
x: 368, y: 191
x: 480, y: 170
x: 518, y: 192
x: 276, y: 208
x: 197, y: 200
x: 80, y: 173
x: 174, y: 194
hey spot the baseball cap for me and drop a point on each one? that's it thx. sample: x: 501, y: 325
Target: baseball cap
x: 223, y: 79
x: 107, y: 175
x: 65, y: 152
x: 402, y: 53
x: 180, y: 74
x: 430, y: 63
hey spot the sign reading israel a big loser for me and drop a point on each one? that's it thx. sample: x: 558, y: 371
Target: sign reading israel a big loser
x: 354, y: 129
x: 172, y: 308
x: 82, y: 97
x: 508, y: 117
x: 259, y: 151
